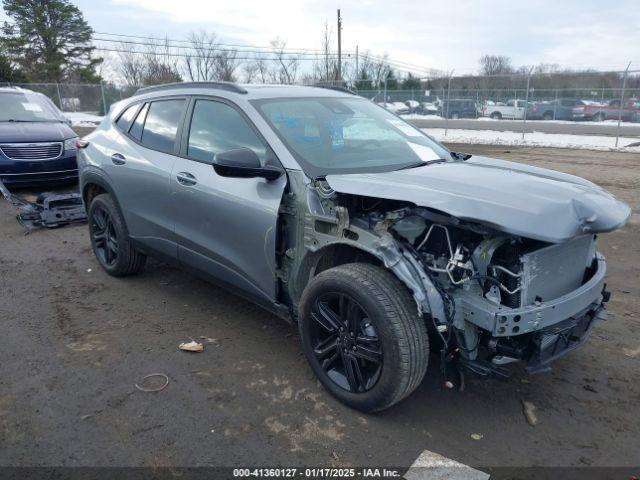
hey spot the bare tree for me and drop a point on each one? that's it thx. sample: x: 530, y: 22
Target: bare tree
x: 495, y: 65
x: 225, y: 65
x: 131, y: 65
x: 157, y: 64
x: 200, y: 63
x: 286, y: 68
x: 325, y: 68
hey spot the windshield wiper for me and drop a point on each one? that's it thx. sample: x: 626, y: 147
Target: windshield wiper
x: 422, y: 164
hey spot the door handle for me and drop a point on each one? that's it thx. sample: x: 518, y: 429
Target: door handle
x: 118, y: 159
x: 185, y: 178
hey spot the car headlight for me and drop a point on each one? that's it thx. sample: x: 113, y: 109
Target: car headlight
x: 70, y: 143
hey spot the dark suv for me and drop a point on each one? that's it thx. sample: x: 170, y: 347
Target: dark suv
x: 37, y: 145
x: 458, y: 108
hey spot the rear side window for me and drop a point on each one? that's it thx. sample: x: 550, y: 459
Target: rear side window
x: 125, y: 119
x: 136, y: 128
x: 216, y: 127
x: 161, y: 124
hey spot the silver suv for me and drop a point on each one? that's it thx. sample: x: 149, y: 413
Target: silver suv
x: 326, y: 209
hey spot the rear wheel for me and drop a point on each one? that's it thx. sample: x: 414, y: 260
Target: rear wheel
x: 547, y: 116
x: 496, y: 115
x: 362, y: 336
x: 455, y: 116
x: 109, y: 239
x: 598, y: 117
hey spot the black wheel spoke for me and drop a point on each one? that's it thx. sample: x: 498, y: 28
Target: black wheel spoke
x: 327, y: 317
x: 327, y: 347
x: 368, y: 353
x: 351, y: 372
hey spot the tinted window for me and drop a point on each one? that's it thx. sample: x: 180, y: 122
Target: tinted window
x: 125, y: 119
x: 217, y: 127
x: 161, y: 125
x: 136, y: 128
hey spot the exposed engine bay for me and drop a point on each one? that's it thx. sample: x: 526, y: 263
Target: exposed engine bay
x: 491, y: 297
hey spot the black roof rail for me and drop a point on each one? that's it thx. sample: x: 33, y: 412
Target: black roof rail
x: 337, y: 88
x: 228, y: 86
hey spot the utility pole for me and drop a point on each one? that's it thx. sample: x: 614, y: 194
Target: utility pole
x: 339, y: 46
x: 357, y: 71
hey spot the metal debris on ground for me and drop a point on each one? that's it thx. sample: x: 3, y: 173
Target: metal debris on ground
x: 529, y: 410
x: 191, y: 346
x: 50, y: 210
x: 153, y: 389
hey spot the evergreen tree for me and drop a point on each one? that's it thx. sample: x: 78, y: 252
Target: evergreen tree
x: 49, y: 40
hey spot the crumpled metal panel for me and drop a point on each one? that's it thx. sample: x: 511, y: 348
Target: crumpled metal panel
x: 519, y: 199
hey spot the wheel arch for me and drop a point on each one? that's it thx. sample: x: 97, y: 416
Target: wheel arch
x: 385, y: 255
x: 92, y: 185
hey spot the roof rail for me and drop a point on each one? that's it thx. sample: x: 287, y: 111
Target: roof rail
x: 228, y: 86
x: 338, y: 88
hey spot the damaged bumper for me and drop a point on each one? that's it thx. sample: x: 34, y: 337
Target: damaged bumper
x: 539, y: 334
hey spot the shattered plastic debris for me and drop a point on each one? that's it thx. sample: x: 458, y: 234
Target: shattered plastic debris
x: 529, y: 410
x: 192, y: 346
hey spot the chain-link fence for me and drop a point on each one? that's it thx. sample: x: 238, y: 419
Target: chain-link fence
x: 609, y: 100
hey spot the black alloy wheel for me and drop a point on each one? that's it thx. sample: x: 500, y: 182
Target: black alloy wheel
x: 345, y: 342
x: 103, y: 237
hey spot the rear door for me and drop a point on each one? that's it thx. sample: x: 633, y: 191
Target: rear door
x: 225, y: 227
x: 140, y: 168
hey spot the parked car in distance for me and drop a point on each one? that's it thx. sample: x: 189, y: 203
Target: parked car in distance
x: 610, y: 111
x: 328, y: 210
x: 399, y: 108
x: 36, y: 143
x: 512, y: 110
x: 413, y: 106
x: 458, y: 108
x: 560, y: 109
x: 429, y: 108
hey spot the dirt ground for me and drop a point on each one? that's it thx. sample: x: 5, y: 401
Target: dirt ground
x: 75, y: 341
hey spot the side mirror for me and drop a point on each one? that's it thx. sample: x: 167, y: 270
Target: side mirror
x: 243, y: 163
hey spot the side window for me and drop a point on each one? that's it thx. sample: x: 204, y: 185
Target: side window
x: 216, y: 127
x: 161, y: 125
x: 136, y: 128
x: 125, y: 119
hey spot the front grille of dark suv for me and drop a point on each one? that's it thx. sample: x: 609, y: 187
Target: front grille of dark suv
x: 32, y: 151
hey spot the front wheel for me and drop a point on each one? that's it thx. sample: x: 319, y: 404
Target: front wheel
x: 362, y: 336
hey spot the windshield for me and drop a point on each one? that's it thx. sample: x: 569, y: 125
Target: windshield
x: 27, y: 107
x: 347, y: 135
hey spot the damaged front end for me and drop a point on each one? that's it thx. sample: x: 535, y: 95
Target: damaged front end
x: 493, y: 298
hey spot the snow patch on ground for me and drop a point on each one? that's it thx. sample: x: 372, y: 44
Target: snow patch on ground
x: 83, y: 119
x: 534, y: 139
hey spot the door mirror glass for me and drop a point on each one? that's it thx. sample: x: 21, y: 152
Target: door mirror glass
x: 243, y: 163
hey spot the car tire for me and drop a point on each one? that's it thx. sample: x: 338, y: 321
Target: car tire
x: 455, y: 116
x: 372, y: 303
x: 496, y: 116
x: 598, y: 117
x: 547, y: 116
x: 109, y: 239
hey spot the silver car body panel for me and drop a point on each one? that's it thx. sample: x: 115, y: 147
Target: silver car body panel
x: 528, y: 201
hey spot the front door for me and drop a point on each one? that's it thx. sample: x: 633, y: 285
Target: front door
x: 225, y: 227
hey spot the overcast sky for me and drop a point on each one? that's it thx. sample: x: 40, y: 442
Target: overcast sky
x: 450, y: 34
